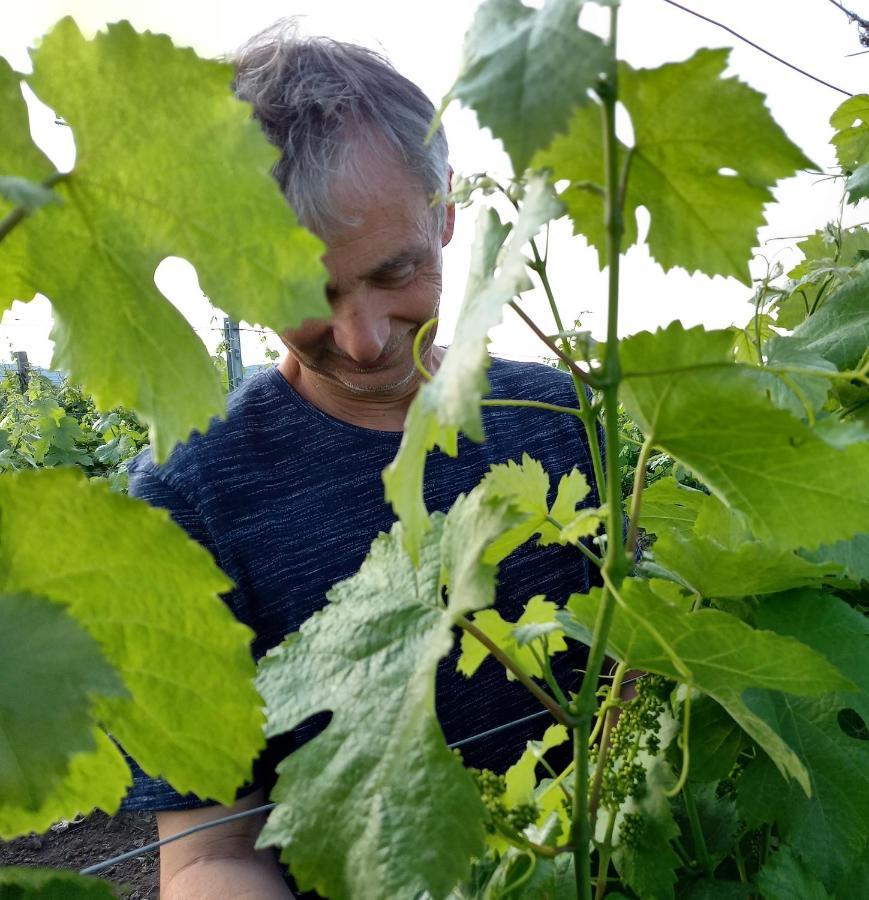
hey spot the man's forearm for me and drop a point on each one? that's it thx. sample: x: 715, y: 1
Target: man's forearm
x: 249, y: 878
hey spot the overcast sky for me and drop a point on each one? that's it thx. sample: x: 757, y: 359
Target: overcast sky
x: 424, y: 42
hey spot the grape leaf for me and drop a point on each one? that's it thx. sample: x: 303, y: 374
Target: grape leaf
x: 503, y: 634
x: 95, y: 779
x: 715, y: 741
x: 19, y: 158
x: 461, y: 380
x: 852, y: 556
x: 715, y: 418
x: 451, y: 400
x: 839, y: 330
x: 520, y: 777
x: 851, y: 140
x: 725, y: 657
x: 829, y: 257
x: 669, y: 507
x: 710, y: 550
x: 51, y: 884
x: 51, y: 669
x: 689, y: 124
x: 649, y: 864
x: 827, y: 829
x: 525, y: 486
x: 525, y: 70
x: 715, y: 571
x: 393, y: 812
x: 139, y: 194
x: 786, y: 876
x: 857, y: 185
x: 147, y: 594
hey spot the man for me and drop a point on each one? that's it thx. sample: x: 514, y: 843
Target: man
x: 286, y: 493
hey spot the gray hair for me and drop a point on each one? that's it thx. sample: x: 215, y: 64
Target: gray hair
x: 319, y: 101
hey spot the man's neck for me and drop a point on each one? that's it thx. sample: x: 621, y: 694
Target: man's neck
x: 380, y: 412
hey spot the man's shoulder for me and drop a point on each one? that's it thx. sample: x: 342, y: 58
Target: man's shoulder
x: 530, y: 380
x: 253, y: 413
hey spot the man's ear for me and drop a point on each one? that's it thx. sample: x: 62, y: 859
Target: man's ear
x: 450, y: 217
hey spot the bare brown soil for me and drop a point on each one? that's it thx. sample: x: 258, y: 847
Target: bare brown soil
x: 89, y: 841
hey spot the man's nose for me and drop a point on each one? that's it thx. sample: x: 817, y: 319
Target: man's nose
x: 360, y: 328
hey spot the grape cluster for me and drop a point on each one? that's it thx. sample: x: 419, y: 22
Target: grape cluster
x: 636, y: 730
x: 492, y: 788
x: 631, y: 830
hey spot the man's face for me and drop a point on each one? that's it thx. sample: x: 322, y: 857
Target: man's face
x: 385, y: 282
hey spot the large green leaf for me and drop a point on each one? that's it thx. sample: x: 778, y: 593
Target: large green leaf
x: 706, y: 152
x: 851, y: 140
x: 186, y: 175
x: 785, y: 877
x: 794, y: 486
x: 829, y: 828
x: 376, y: 805
x: 51, y: 884
x: 724, y: 656
x: 525, y: 71
x: 19, y: 158
x: 451, y: 400
x: 95, y: 779
x: 715, y: 571
x: 147, y: 594
x: 51, y: 670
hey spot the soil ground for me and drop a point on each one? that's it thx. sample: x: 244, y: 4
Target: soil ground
x: 89, y: 841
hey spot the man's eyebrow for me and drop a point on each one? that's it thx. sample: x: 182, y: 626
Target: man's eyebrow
x: 397, y: 261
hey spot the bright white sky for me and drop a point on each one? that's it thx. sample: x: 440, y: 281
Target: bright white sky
x: 424, y: 42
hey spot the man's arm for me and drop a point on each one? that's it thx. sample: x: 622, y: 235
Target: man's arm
x: 218, y: 863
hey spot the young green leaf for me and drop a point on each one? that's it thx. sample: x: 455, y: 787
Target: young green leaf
x: 690, y: 126
x: 51, y: 671
x: 716, y: 418
x: 851, y: 140
x: 857, y: 185
x: 393, y: 813
x: 451, y: 401
x: 538, y: 611
x: 525, y: 486
x: 725, y: 658
x: 139, y: 194
x: 146, y: 593
x: 526, y: 70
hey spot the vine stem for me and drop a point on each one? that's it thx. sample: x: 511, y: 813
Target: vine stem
x: 700, y: 847
x: 561, y: 354
x: 611, y: 716
x: 606, y: 852
x: 615, y: 566
x: 589, y: 420
x: 637, y: 496
x: 521, y: 675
